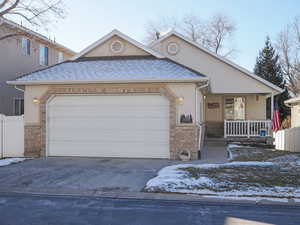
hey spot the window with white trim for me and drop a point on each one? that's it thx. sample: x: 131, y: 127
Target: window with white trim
x: 235, y: 108
x: 25, y: 44
x: 18, y: 106
x: 60, y: 57
x: 44, y: 55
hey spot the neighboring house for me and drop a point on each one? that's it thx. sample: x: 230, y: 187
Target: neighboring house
x: 119, y: 98
x: 294, y: 104
x: 24, y: 53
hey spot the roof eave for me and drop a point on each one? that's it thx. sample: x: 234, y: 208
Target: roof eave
x: 113, y: 81
x: 292, y: 101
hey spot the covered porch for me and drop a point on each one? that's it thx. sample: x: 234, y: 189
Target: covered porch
x: 237, y: 115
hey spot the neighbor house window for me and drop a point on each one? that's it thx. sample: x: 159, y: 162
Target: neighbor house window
x: 44, y: 55
x: 18, y: 106
x: 235, y: 108
x: 60, y: 57
x: 25, y: 42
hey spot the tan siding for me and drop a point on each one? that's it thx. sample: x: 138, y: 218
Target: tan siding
x: 223, y: 77
x: 105, y: 49
x: 295, y: 111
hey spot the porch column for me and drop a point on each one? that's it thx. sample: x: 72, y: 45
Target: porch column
x: 272, y: 105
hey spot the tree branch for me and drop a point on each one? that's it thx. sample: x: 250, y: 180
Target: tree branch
x: 3, y: 3
x: 9, y: 8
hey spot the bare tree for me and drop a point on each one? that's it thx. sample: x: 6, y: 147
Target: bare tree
x: 288, y: 46
x: 216, y: 33
x: 36, y: 13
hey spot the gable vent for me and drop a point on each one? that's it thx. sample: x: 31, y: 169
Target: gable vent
x: 116, y: 46
x: 173, y: 48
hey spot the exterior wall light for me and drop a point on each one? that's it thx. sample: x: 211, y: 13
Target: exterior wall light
x: 35, y: 101
x: 180, y: 99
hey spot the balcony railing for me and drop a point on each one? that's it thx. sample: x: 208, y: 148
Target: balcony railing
x: 247, y: 128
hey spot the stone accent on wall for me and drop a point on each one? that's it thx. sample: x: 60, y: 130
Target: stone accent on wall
x: 32, y: 140
x: 186, y: 138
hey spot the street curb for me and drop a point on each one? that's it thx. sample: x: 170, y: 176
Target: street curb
x: 184, y: 198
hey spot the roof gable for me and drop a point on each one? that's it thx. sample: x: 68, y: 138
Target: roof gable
x: 221, y: 59
x: 95, y: 49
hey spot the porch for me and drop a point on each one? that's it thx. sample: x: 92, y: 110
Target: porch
x: 240, y: 116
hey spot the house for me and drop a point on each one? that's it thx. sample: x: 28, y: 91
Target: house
x: 294, y: 104
x: 119, y: 98
x: 24, y: 53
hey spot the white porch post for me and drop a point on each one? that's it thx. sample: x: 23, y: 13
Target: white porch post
x: 272, y: 106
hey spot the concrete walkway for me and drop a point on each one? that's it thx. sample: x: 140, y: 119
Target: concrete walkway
x: 214, y: 153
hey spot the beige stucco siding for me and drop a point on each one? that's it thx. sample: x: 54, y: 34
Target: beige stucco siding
x: 295, y: 116
x: 255, y: 107
x: 187, y: 91
x: 31, y: 110
x: 223, y: 77
x: 105, y: 49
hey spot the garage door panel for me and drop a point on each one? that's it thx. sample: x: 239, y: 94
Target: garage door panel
x: 94, y: 111
x: 103, y: 126
x: 115, y: 150
x: 109, y: 135
x: 117, y: 123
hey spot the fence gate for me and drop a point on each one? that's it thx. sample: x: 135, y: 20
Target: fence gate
x: 11, y: 136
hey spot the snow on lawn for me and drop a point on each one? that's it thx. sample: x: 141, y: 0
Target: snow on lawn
x: 8, y: 161
x: 265, y: 179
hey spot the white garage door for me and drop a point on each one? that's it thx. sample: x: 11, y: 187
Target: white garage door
x: 108, y: 126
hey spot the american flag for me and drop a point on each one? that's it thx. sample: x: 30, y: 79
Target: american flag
x: 276, y: 118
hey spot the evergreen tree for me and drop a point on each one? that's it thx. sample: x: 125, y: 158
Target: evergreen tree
x: 268, y: 67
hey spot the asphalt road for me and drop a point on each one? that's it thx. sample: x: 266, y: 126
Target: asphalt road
x: 39, y: 210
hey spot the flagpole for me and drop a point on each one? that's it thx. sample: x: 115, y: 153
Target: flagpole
x: 272, y: 106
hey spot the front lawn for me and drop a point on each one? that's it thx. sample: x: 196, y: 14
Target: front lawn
x: 276, y: 174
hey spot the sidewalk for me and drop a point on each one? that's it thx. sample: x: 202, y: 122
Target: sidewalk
x: 148, y: 196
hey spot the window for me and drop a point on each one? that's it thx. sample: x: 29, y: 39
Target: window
x: 25, y: 42
x: 235, y: 108
x: 60, y: 57
x: 44, y: 55
x: 18, y: 106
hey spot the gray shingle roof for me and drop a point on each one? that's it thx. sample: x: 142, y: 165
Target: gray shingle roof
x: 113, y: 68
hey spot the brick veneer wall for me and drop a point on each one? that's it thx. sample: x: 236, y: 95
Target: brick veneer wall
x: 181, y: 137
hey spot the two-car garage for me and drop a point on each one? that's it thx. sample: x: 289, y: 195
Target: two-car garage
x: 133, y: 126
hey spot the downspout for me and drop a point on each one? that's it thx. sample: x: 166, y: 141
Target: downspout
x: 197, y: 98
x: 19, y: 89
x: 201, y: 133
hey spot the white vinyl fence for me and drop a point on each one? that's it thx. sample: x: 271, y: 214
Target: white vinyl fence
x: 11, y: 136
x: 288, y: 139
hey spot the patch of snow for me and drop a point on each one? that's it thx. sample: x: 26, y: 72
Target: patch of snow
x: 256, y: 199
x: 174, y: 179
x: 5, y: 162
x: 234, y: 146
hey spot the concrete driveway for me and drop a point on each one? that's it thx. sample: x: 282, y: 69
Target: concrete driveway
x: 80, y: 174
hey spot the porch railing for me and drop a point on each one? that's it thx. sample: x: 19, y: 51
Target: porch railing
x: 247, y: 128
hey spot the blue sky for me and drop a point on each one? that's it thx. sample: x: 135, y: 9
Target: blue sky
x: 87, y: 21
